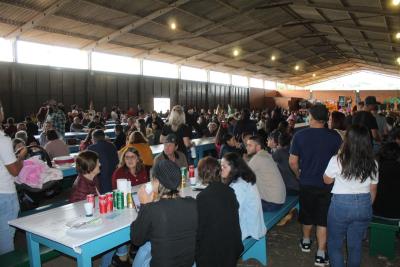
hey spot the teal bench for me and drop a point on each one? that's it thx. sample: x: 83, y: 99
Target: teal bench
x: 20, y: 257
x: 257, y: 249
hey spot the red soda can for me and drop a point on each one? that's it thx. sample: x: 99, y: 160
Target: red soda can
x: 103, y: 204
x: 110, y: 200
x: 191, y: 171
x: 90, y: 198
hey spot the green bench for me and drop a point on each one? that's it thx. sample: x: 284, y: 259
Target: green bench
x: 20, y: 257
x: 383, y: 237
x: 257, y: 249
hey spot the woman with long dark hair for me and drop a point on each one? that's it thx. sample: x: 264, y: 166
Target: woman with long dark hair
x: 218, y: 231
x: 237, y: 174
x: 355, y: 173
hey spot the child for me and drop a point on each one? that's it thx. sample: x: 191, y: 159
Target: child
x: 87, y: 167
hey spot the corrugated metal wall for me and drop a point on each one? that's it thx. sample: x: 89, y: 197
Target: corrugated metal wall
x: 24, y: 87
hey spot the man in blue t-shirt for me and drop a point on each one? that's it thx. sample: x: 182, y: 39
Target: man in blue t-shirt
x: 310, y: 152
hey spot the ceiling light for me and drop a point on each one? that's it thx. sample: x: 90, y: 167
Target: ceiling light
x: 397, y: 35
x: 173, y: 26
x: 273, y: 58
x: 398, y: 60
x: 297, y: 67
x: 314, y: 75
x: 396, y: 2
x: 235, y: 52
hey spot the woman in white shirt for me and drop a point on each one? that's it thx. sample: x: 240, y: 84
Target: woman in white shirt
x: 355, y: 173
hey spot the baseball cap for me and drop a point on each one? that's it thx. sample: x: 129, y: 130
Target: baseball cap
x: 370, y: 100
x: 171, y: 138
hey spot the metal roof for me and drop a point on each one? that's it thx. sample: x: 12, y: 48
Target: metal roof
x: 324, y: 37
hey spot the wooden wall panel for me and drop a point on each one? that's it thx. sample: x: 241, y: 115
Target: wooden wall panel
x: 24, y: 88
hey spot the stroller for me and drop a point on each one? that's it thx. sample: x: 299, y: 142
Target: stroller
x: 29, y: 197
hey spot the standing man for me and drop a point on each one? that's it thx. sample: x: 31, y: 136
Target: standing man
x: 310, y: 152
x: 365, y: 118
x: 57, y: 118
x: 108, y: 156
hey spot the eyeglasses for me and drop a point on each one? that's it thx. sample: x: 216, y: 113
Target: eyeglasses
x: 130, y: 157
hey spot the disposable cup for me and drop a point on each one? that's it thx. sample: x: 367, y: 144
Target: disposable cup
x: 88, y: 209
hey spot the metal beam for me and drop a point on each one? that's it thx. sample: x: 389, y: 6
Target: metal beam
x: 247, y: 55
x: 211, y: 26
x: 353, y: 9
x: 219, y: 48
x: 348, y: 26
x: 135, y: 24
x: 33, y: 22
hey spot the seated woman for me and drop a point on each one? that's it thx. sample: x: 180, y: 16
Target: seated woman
x: 388, y: 198
x: 87, y: 167
x: 165, y: 227
x: 139, y: 142
x: 218, y: 231
x: 55, y: 147
x: 130, y: 167
x: 229, y: 145
x: 239, y: 176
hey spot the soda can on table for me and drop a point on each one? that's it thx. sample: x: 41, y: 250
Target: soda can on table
x: 184, y: 176
x: 103, y: 204
x: 90, y: 198
x: 191, y: 171
x: 120, y: 200
x: 115, y: 198
x: 110, y: 201
x: 129, y: 200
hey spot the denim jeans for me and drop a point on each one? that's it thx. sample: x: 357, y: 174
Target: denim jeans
x: 348, y: 217
x: 143, y: 256
x: 269, y: 206
x: 106, y: 259
x: 9, y: 211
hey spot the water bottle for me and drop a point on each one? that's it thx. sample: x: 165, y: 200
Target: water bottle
x: 193, y: 151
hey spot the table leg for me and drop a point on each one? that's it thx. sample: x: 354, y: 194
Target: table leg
x: 33, y: 251
x: 84, y: 260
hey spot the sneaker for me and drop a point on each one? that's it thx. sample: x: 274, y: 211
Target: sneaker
x: 321, y: 261
x: 305, y: 247
x: 117, y: 262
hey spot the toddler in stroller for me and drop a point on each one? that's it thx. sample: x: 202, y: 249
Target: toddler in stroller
x: 37, y: 180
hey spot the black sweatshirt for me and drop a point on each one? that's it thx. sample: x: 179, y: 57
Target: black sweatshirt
x: 219, y: 239
x: 170, y: 225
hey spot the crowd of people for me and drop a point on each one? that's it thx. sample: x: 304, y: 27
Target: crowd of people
x: 343, y: 167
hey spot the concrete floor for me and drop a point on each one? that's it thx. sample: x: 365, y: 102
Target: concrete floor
x: 283, y: 250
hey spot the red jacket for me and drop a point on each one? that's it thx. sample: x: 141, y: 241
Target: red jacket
x: 124, y: 173
x: 83, y: 187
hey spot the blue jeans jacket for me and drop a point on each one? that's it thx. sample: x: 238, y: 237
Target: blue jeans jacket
x: 348, y: 218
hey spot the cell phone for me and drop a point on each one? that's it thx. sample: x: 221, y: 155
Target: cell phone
x: 136, y: 203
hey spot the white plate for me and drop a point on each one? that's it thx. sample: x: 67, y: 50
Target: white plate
x: 84, y: 225
x: 199, y: 186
